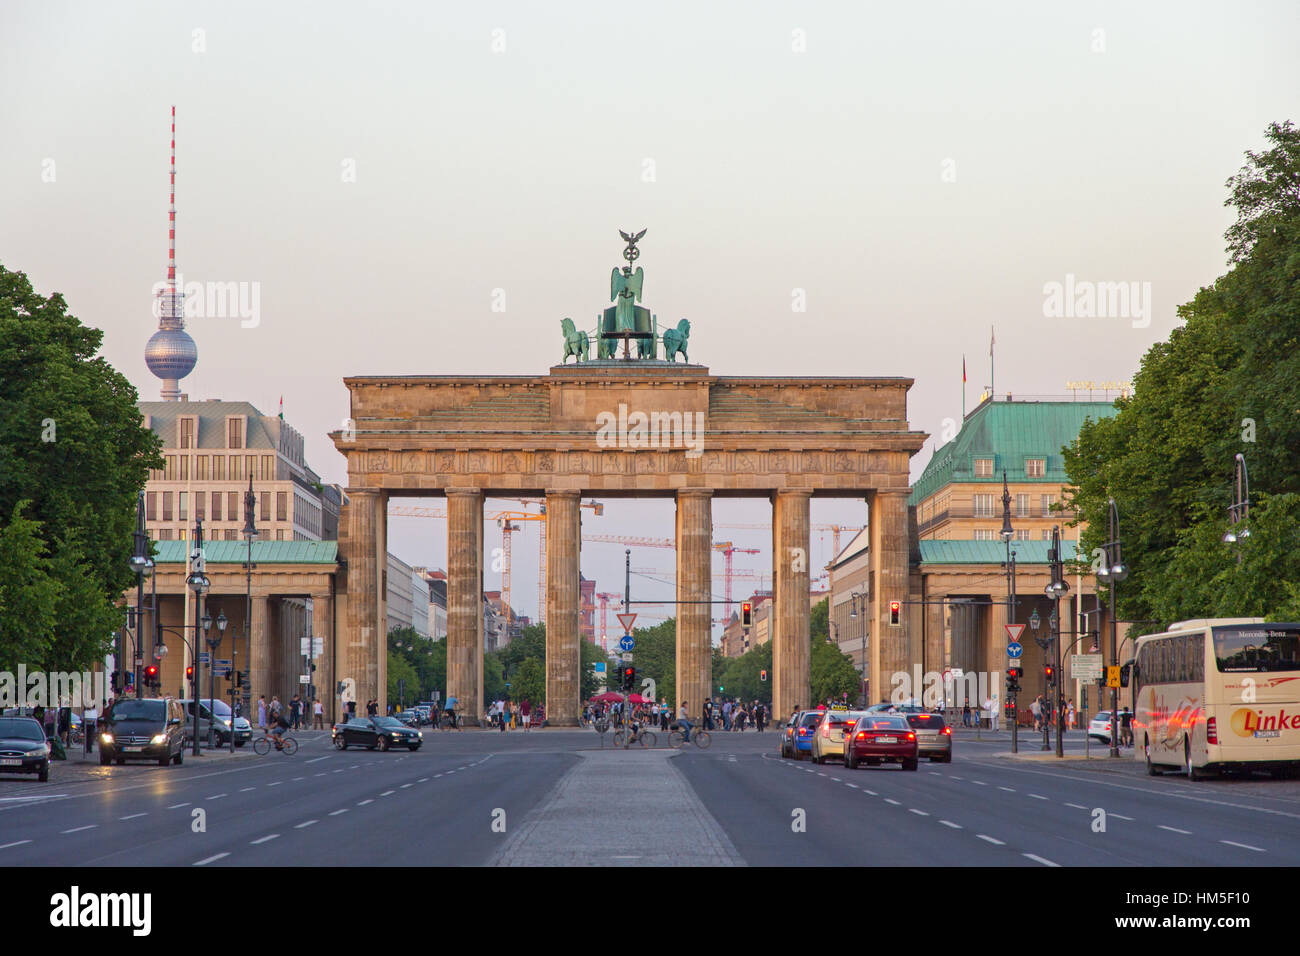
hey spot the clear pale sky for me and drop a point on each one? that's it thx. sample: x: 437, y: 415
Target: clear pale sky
x: 920, y: 171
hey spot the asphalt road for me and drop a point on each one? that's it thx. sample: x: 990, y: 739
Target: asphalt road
x: 482, y: 798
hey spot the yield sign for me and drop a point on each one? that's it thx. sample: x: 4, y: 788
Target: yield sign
x: 1014, y: 631
x: 626, y: 620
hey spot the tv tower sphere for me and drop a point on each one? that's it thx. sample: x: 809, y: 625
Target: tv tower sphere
x: 171, y: 353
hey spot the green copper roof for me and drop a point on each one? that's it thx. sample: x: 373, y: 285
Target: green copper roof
x: 236, y: 552
x: 1009, y: 432
x: 989, y: 552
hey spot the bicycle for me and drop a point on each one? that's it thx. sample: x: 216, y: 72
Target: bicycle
x: 699, y: 737
x: 449, y: 723
x: 262, y: 745
x: 646, y: 738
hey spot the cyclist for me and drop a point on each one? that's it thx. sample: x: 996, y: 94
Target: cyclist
x: 683, y: 722
x: 451, y: 711
x: 279, y: 727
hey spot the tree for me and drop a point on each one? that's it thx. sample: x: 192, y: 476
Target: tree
x: 529, y: 682
x: 400, y: 669
x: 1223, y: 384
x: 72, y: 443
x: 28, y: 592
x: 831, y: 672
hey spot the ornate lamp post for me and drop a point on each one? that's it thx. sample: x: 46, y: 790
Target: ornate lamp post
x: 853, y: 613
x: 1057, y: 589
x: 1111, y: 572
x: 1007, y: 534
x: 1239, y: 510
x: 198, y: 583
x: 142, y: 565
x: 213, y: 644
x: 249, y: 532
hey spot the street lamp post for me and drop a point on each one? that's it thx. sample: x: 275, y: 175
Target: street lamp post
x: 213, y: 644
x: 199, y: 583
x: 250, y: 532
x: 1111, y: 573
x: 1239, y: 510
x: 853, y: 613
x: 1057, y: 589
x: 1007, y: 534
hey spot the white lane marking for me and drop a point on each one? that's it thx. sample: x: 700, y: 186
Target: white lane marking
x: 246, y: 789
x: 405, y: 785
x: 15, y: 843
x: 837, y: 779
x: 321, y: 774
x: 894, y: 802
x: 295, y: 779
x: 436, y: 776
x: 919, y: 813
x: 1244, y: 846
x: 1077, y: 806
x: 89, y: 826
x: 29, y: 799
x: 1174, y: 829
x: 853, y: 785
x: 354, y: 766
x: 300, y: 826
x: 335, y: 813
x: 1037, y: 796
x: 423, y: 780
x: 276, y: 784
x: 211, y: 859
x: 871, y: 792
x: 979, y: 783
x: 991, y: 840
x: 340, y: 770
x: 1120, y: 816
x: 364, y: 802
x: 262, y: 839
x: 949, y: 823
x: 820, y: 774
x: 388, y: 793
x: 1039, y: 859
x: 314, y: 759
x: 132, y: 816
x: 217, y: 796
x: 177, y: 806
x: 955, y: 777
x: 1008, y: 789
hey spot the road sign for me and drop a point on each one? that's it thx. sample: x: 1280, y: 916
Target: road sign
x: 304, y: 679
x: 220, y: 662
x: 203, y: 657
x: 1015, y: 650
x: 627, y: 658
x: 626, y: 620
x: 626, y: 644
x: 310, y: 646
x: 1112, y: 676
x: 599, y: 665
x: 1085, y: 667
x: 1014, y: 631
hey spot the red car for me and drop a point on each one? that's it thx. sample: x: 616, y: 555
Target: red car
x: 881, y: 738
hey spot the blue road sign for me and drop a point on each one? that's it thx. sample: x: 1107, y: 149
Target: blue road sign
x: 1014, y: 651
x: 626, y: 644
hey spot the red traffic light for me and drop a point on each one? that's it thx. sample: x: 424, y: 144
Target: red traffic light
x: 746, y: 614
x: 895, y: 612
x: 189, y: 672
x: 151, y: 673
x: 1015, y: 673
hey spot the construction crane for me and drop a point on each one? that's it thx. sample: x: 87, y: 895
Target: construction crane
x: 605, y: 597
x: 834, y: 529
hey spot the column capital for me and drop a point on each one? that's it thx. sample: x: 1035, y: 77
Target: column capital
x: 450, y: 492
x: 793, y: 493
x: 694, y: 492
x: 562, y: 493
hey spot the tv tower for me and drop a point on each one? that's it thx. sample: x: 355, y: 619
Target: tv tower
x: 171, y: 354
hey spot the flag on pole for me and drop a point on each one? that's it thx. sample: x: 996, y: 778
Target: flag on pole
x: 281, y: 408
x: 963, y: 370
x: 992, y: 340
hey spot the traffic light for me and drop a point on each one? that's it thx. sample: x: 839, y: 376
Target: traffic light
x: 627, y: 676
x: 746, y: 614
x: 1049, y: 672
x: 762, y: 675
x: 895, y: 613
x: 151, y: 675
x: 1010, y: 709
x: 1013, y: 679
x: 189, y: 672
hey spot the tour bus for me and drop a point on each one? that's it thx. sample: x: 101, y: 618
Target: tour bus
x: 1218, y: 694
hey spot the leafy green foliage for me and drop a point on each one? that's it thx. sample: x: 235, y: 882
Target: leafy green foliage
x: 1224, y: 383
x: 72, y: 443
x: 529, y: 682
x: 420, y: 661
x: 28, y: 592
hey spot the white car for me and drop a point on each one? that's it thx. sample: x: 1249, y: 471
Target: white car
x: 1099, y: 728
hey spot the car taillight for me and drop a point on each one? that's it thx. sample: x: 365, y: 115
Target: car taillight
x: 911, y: 736
x: 803, y: 731
x: 948, y: 730
x: 862, y: 735
x: 1211, y: 731
x: 826, y: 730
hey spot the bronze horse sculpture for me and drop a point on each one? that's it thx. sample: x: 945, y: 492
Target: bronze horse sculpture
x: 675, y: 341
x: 575, y: 342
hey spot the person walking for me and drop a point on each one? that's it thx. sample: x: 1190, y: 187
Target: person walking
x: 525, y: 711
x: 1037, y: 710
x: 1069, y: 721
x: 994, y: 712
x: 965, y: 714
x: 318, y: 714
x: 261, y: 712
x: 295, y: 711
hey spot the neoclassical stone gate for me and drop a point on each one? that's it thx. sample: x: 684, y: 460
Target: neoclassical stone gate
x: 469, y: 438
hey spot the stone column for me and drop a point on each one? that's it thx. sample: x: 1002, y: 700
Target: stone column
x: 563, y: 623
x: 465, y: 601
x: 322, y: 614
x: 889, y: 553
x: 259, y: 656
x: 694, y: 670
x: 366, y: 550
x: 934, y: 654
x: 791, y: 687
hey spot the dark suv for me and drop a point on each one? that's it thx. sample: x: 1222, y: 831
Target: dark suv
x: 152, y: 729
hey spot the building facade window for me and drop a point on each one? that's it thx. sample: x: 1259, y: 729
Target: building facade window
x: 164, y: 534
x: 1022, y: 506
x: 169, y: 473
x: 265, y: 511
x: 1048, y: 501
x: 187, y: 433
x: 984, y: 534
x: 151, y: 506
x: 216, y: 505
x: 1035, y: 467
x: 281, y: 506
x: 237, y: 468
x: 983, y: 506
x: 182, y: 506
x: 232, y: 505
x: 218, y: 467
x: 235, y: 433
x: 201, y: 468
x: 200, y: 499
x: 250, y: 463
x: 185, y: 468
x: 1022, y: 534
x: 268, y: 467
x: 983, y: 467
x: 167, y: 505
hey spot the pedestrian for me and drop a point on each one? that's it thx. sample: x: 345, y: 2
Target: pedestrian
x: 965, y: 714
x: 994, y: 712
x: 525, y: 711
x: 295, y: 710
x: 760, y: 716
x: 261, y: 712
x: 352, y: 709
x: 1036, y: 709
x: 1069, y: 722
x: 664, y: 712
x: 318, y: 709
x: 372, y: 708
x: 275, y: 708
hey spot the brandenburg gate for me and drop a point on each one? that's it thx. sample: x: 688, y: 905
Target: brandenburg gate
x: 622, y: 426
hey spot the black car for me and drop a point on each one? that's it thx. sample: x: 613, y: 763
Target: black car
x: 152, y: 729
x: 372, y: 732
x: 23, y: 748
x: 409, y: 718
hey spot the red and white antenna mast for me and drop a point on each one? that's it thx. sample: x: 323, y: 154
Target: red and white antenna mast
x: 171, y: 299
x: 171, y: 354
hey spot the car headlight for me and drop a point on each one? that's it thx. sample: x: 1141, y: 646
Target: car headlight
x: 221, y: 724
x: 420, y: 734
x: 38, y: 752
x: 159, y: 739
x: 397, y: 735
x: 106, y: 738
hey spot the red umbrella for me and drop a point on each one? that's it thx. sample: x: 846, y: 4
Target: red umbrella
x: 610, y: 697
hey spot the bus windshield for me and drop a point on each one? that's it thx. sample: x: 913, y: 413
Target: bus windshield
x: 1256, y: 648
